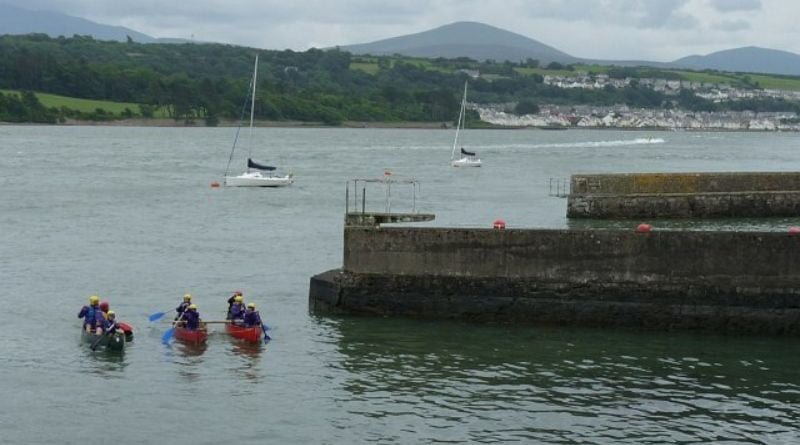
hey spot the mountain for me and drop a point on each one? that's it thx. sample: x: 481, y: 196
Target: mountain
x: 480, y: 42
x: 15, y: 20
x: 465, y: 39
x: 749, y: 59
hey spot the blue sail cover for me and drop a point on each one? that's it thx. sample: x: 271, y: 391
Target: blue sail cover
x: 253, y: 164
x: 467, y: 153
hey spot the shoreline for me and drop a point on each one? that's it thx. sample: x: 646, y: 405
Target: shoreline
x: 171, y: 123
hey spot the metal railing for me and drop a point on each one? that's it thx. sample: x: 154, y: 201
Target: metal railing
x: 558, y: 187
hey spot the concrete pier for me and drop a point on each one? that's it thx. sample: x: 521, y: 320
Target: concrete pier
x: 684, y: 195
x: 742, y: 282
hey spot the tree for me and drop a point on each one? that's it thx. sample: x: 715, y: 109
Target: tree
x: 526, y: 107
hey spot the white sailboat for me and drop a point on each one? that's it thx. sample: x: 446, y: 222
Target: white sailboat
x: 255, y: 175
x: 465, y: 158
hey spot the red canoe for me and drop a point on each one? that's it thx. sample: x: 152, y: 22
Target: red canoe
x: 192, y: 335
x: 252, y: 335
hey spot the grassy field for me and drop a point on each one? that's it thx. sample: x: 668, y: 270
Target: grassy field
x: 775, y: 82
x: 88, y: 105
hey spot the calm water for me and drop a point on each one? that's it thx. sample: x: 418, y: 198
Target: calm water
x: 127, y: 213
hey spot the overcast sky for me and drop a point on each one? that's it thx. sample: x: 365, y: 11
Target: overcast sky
x: 659, y: 30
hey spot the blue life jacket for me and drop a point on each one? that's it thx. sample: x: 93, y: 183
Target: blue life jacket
x: 252, y: 319
x: 237, y: 311
x: 192, y: 319
x: 90, y: 316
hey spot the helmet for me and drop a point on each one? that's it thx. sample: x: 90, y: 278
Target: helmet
x: 104, y: 306
x: 187, y: 297
x: 192, y: 306
x: 251, y: 305
x: 94, y: 299
x: 238, y: 299
x: 238, y: 292
x: 111, y: 313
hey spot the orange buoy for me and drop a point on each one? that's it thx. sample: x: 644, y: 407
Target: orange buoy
x: 644, y: 228
x: 794, y: 231
x: 214, y: 184
x: 499, y: 224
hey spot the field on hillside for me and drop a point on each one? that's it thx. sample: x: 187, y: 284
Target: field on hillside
x: 88, y: 105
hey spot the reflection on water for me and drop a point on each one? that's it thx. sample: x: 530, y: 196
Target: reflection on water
x: 564, y: 385
x: 244, y: 360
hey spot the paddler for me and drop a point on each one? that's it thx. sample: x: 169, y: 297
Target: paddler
x: 232, y: 298
x: 110, y: 325
x: 92, y: 316
x: 187, y: 300
x: 237, y: 309
x: 191, y: 317
x: 251, y: 316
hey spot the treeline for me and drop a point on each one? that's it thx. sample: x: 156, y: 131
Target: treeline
x: 210, y: 82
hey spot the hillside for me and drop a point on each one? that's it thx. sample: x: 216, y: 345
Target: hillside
x: 464, y: 39
x: 750, y: 59
x: 17, y: 21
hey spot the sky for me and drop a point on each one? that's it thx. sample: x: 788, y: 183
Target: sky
x: 656, y: 30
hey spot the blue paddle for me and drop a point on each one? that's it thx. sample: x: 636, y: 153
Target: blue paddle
x: 157, y: 316
x: 264, y: 328
x: 171, y: 331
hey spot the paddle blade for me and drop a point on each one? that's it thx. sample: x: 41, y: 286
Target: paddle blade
x: 168, y: 335
x: 157, y: 316
x: 264, y: 328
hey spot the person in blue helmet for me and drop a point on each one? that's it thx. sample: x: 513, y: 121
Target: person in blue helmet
x: 187, y: 300
x: 191, y: 317
x: 92, y: 315
x: 251, y: 316
x: 236, y: 314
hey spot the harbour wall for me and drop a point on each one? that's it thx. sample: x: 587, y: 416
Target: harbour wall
x: 684, y: 195
x: 741, y: 282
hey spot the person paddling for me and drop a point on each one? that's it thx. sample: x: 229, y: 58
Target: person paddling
x: 92, y: 316
x: 232, y: 299
x: 251, y: 316
x: 237, y: 310
x: 187, y: 301
x: 191, y: 317
x: 111, y: 326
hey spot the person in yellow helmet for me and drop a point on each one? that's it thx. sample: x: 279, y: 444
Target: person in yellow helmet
x: 236, y: 314
x: 187, y: 300
x: 92, y: 315
x: 251, y: 316
x: 110, y: 325
x: 191, y: 317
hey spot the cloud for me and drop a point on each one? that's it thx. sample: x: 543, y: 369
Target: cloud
x: 735, y: 5
x: 732, y: 25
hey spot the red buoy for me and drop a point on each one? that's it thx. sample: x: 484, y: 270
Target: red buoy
x: 499, y: 224
x: 794, y: 231
x: 644, y: 228
x: 214, y: 184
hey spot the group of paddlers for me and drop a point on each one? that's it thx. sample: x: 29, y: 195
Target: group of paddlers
x: 238, y: 314
x: 98, y: 318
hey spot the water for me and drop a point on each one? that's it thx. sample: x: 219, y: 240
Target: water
x: 127, y: 213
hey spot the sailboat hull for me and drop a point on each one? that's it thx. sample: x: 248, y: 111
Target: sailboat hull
x: 256, y: 179
x: 466, y: 162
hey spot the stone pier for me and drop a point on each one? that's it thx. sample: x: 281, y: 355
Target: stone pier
x: 684, y: 195
x: 740, y: 282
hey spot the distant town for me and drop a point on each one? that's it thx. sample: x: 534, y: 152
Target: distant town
x: 623, y: 116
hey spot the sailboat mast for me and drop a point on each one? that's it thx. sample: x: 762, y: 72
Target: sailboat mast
x: 252, y: 111
x: 461, y: 118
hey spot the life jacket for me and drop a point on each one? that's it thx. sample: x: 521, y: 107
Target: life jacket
x: 91, y: 316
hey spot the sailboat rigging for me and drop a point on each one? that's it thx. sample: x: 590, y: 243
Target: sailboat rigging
x: 467, y: 158
x: 254, y: 178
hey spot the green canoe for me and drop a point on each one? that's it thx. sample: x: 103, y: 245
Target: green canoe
x: 113, y: 342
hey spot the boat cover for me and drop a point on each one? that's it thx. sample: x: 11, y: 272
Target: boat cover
x: 253, y: 164
x: 467, y: 153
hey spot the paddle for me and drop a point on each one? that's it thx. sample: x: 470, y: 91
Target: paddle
x: 101, y: 337
x: 171, y: 331
x: 267, y: 338
x: 156, y: 316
